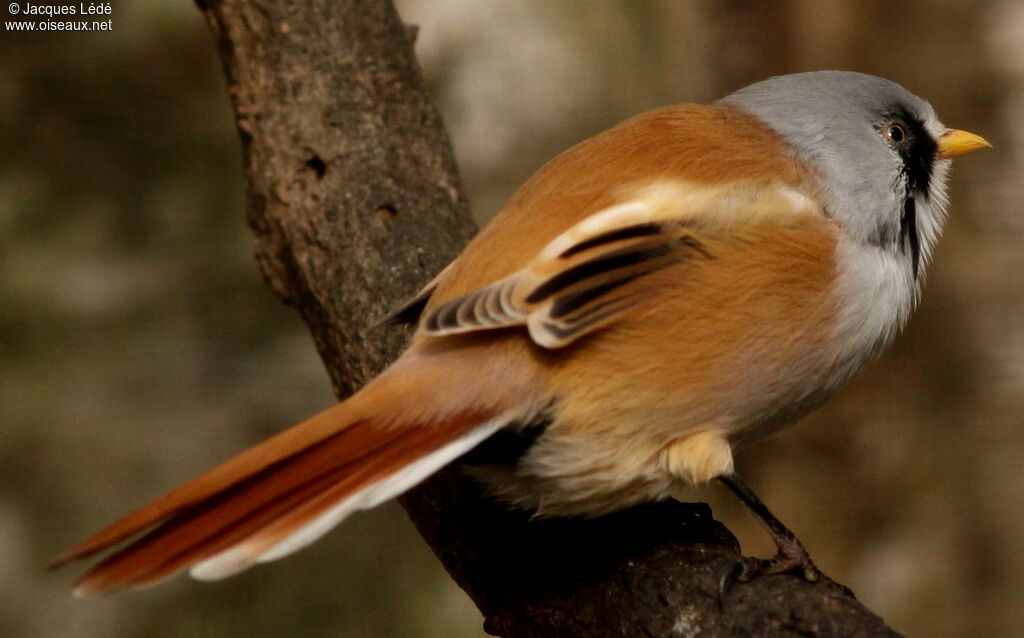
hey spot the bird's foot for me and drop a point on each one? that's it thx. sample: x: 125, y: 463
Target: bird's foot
x: 792, y: 556
x: 793, y: 559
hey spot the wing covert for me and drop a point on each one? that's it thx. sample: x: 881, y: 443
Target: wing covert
x: 592, y: 273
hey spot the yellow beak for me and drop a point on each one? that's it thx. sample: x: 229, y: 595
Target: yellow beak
x: 955, y: 142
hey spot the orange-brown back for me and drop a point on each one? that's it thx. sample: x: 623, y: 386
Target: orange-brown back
x: 690, y: 142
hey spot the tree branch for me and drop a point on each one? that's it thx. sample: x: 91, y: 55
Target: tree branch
x: 354, y: 197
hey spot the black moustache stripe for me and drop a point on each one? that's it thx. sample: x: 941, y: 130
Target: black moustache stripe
x: 918, y: 163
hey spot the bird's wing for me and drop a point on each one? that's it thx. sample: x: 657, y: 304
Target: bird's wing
x: 593, y: 273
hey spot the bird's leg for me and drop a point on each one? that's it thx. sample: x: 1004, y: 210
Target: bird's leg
x: 791, y: 557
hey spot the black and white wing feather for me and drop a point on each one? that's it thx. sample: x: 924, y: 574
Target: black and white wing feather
x: 587, y: 276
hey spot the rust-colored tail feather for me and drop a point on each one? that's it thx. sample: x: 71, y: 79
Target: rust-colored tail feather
x: 277, y: 496
x: 223, y: 476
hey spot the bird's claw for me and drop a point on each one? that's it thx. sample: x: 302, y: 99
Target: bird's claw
x: 793, y: 561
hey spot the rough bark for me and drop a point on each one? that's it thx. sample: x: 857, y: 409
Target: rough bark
x: 354, y: 197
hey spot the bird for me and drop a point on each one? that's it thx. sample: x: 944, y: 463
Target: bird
x: 655, y: 297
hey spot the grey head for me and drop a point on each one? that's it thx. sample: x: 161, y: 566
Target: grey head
x: 873, y: 144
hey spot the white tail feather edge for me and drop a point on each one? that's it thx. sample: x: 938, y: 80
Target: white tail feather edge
x: 241, y: 556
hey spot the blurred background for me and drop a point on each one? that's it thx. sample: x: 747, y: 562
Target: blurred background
x: 138, y: 344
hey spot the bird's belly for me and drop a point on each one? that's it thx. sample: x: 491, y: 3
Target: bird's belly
x: 664, y: 396
x: 724, y: 369
x: 622, y: 447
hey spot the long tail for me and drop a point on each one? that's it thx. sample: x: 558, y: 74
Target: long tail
x: 286, y: 492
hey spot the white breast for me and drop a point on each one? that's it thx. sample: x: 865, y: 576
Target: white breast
x: 876, y: 292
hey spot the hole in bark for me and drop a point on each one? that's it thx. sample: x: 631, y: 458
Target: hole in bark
x: 386, y: 212
x: 317, y: 165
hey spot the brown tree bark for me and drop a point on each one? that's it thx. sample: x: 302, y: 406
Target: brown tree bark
x: 354, y: 197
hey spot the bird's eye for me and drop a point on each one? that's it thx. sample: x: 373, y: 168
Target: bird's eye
x: 895, y: 133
